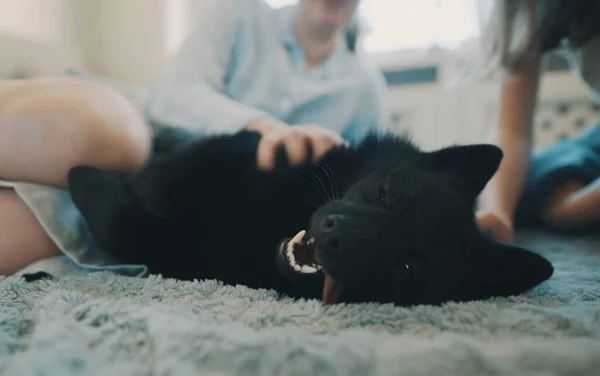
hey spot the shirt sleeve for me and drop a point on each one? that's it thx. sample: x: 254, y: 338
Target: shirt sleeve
x: 189, y: 93
x: 373, y: 113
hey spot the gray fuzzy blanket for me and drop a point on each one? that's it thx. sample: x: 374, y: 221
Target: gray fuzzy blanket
x: 102, y: 324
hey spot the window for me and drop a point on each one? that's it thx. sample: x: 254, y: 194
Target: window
x: 280, y: 3
x: 413, y: 24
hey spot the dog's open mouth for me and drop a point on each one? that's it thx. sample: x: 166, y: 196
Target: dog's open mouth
x: 301, y: 256
x: 301, y: 253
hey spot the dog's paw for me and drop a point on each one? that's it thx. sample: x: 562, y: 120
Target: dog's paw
x: 79, y: 174
x: 37, y: 276
x: 86, y: 183
x: 84, y: 178
x: 98, y: 195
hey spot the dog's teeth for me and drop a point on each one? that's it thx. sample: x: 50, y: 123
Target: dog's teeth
x: 290, y: 256
x: 308, y: 269
x: 297, y: 267
x: 298, y: 238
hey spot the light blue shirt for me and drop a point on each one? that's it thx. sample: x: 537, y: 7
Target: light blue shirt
x: 242, y: 61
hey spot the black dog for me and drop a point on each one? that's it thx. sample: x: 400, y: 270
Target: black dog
x: 382, y: 222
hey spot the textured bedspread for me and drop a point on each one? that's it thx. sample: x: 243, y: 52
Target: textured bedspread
x: 102, y: 324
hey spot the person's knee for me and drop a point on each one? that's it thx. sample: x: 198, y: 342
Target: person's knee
x: 118, y: 139
x: 48, y: 126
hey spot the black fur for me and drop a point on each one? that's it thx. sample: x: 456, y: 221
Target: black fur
x: 37, y: 276
x: 392, y: 223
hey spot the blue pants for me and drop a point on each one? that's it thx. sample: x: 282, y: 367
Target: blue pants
x: 576, y: 159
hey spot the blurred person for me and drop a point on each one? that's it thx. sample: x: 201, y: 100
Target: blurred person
x: 559, y: 187
x: 293, y: 74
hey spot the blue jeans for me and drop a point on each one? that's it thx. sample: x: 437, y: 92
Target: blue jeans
x: 568, y: 160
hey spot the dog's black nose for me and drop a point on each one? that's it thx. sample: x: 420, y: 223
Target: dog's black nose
x: 331, y: 222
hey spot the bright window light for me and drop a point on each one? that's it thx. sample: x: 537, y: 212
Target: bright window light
x: 413, y: 24
x: 280, y: 3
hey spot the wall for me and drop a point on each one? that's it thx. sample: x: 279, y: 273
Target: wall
x: 124, y: 40
x: 40, y: 20
x: 129, y: 40
x: 436, y: 114
x: 34, y: 38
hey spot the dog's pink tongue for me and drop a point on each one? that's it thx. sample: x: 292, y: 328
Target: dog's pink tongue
x: 331, y: 290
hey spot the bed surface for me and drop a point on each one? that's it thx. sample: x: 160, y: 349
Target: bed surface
x: 102, y: 324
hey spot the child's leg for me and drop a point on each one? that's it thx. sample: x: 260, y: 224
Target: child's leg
x: 562, y: 189
x: 575, y: 206
x: 22, y: 239
x: 46, y: 127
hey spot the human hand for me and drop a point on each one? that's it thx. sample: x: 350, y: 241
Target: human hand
x: 497, y: 225
x: 296, y: 140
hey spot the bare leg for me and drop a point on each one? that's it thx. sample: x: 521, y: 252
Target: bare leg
x: 49, y: 126
x: 574, y: 206
x: 22, y: 239
x: 46, y: 127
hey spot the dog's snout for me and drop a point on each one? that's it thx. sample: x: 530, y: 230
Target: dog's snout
x: 331, y: 222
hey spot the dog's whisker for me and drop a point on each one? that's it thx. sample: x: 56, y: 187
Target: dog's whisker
x: 318, y: 190
x: 337, y: 192
x: 333, y: 192
x: 313, y: 198
x: 323, y: 185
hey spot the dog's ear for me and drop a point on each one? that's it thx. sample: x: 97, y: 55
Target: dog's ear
x: 473, y: 165
x: 505, y: 269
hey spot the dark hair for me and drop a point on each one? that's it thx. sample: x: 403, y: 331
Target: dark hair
x: 509, y: 29
x: 573, y: 21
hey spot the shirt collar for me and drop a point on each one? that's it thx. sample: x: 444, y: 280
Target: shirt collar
x: 286, y: 26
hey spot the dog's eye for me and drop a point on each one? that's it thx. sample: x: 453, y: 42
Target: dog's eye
x: 410, y: 271
x: 382, y: 195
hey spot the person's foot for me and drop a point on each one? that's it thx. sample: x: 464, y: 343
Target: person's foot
x: 498, y: 226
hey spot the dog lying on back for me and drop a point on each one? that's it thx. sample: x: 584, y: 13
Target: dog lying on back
x: 380, y: 222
